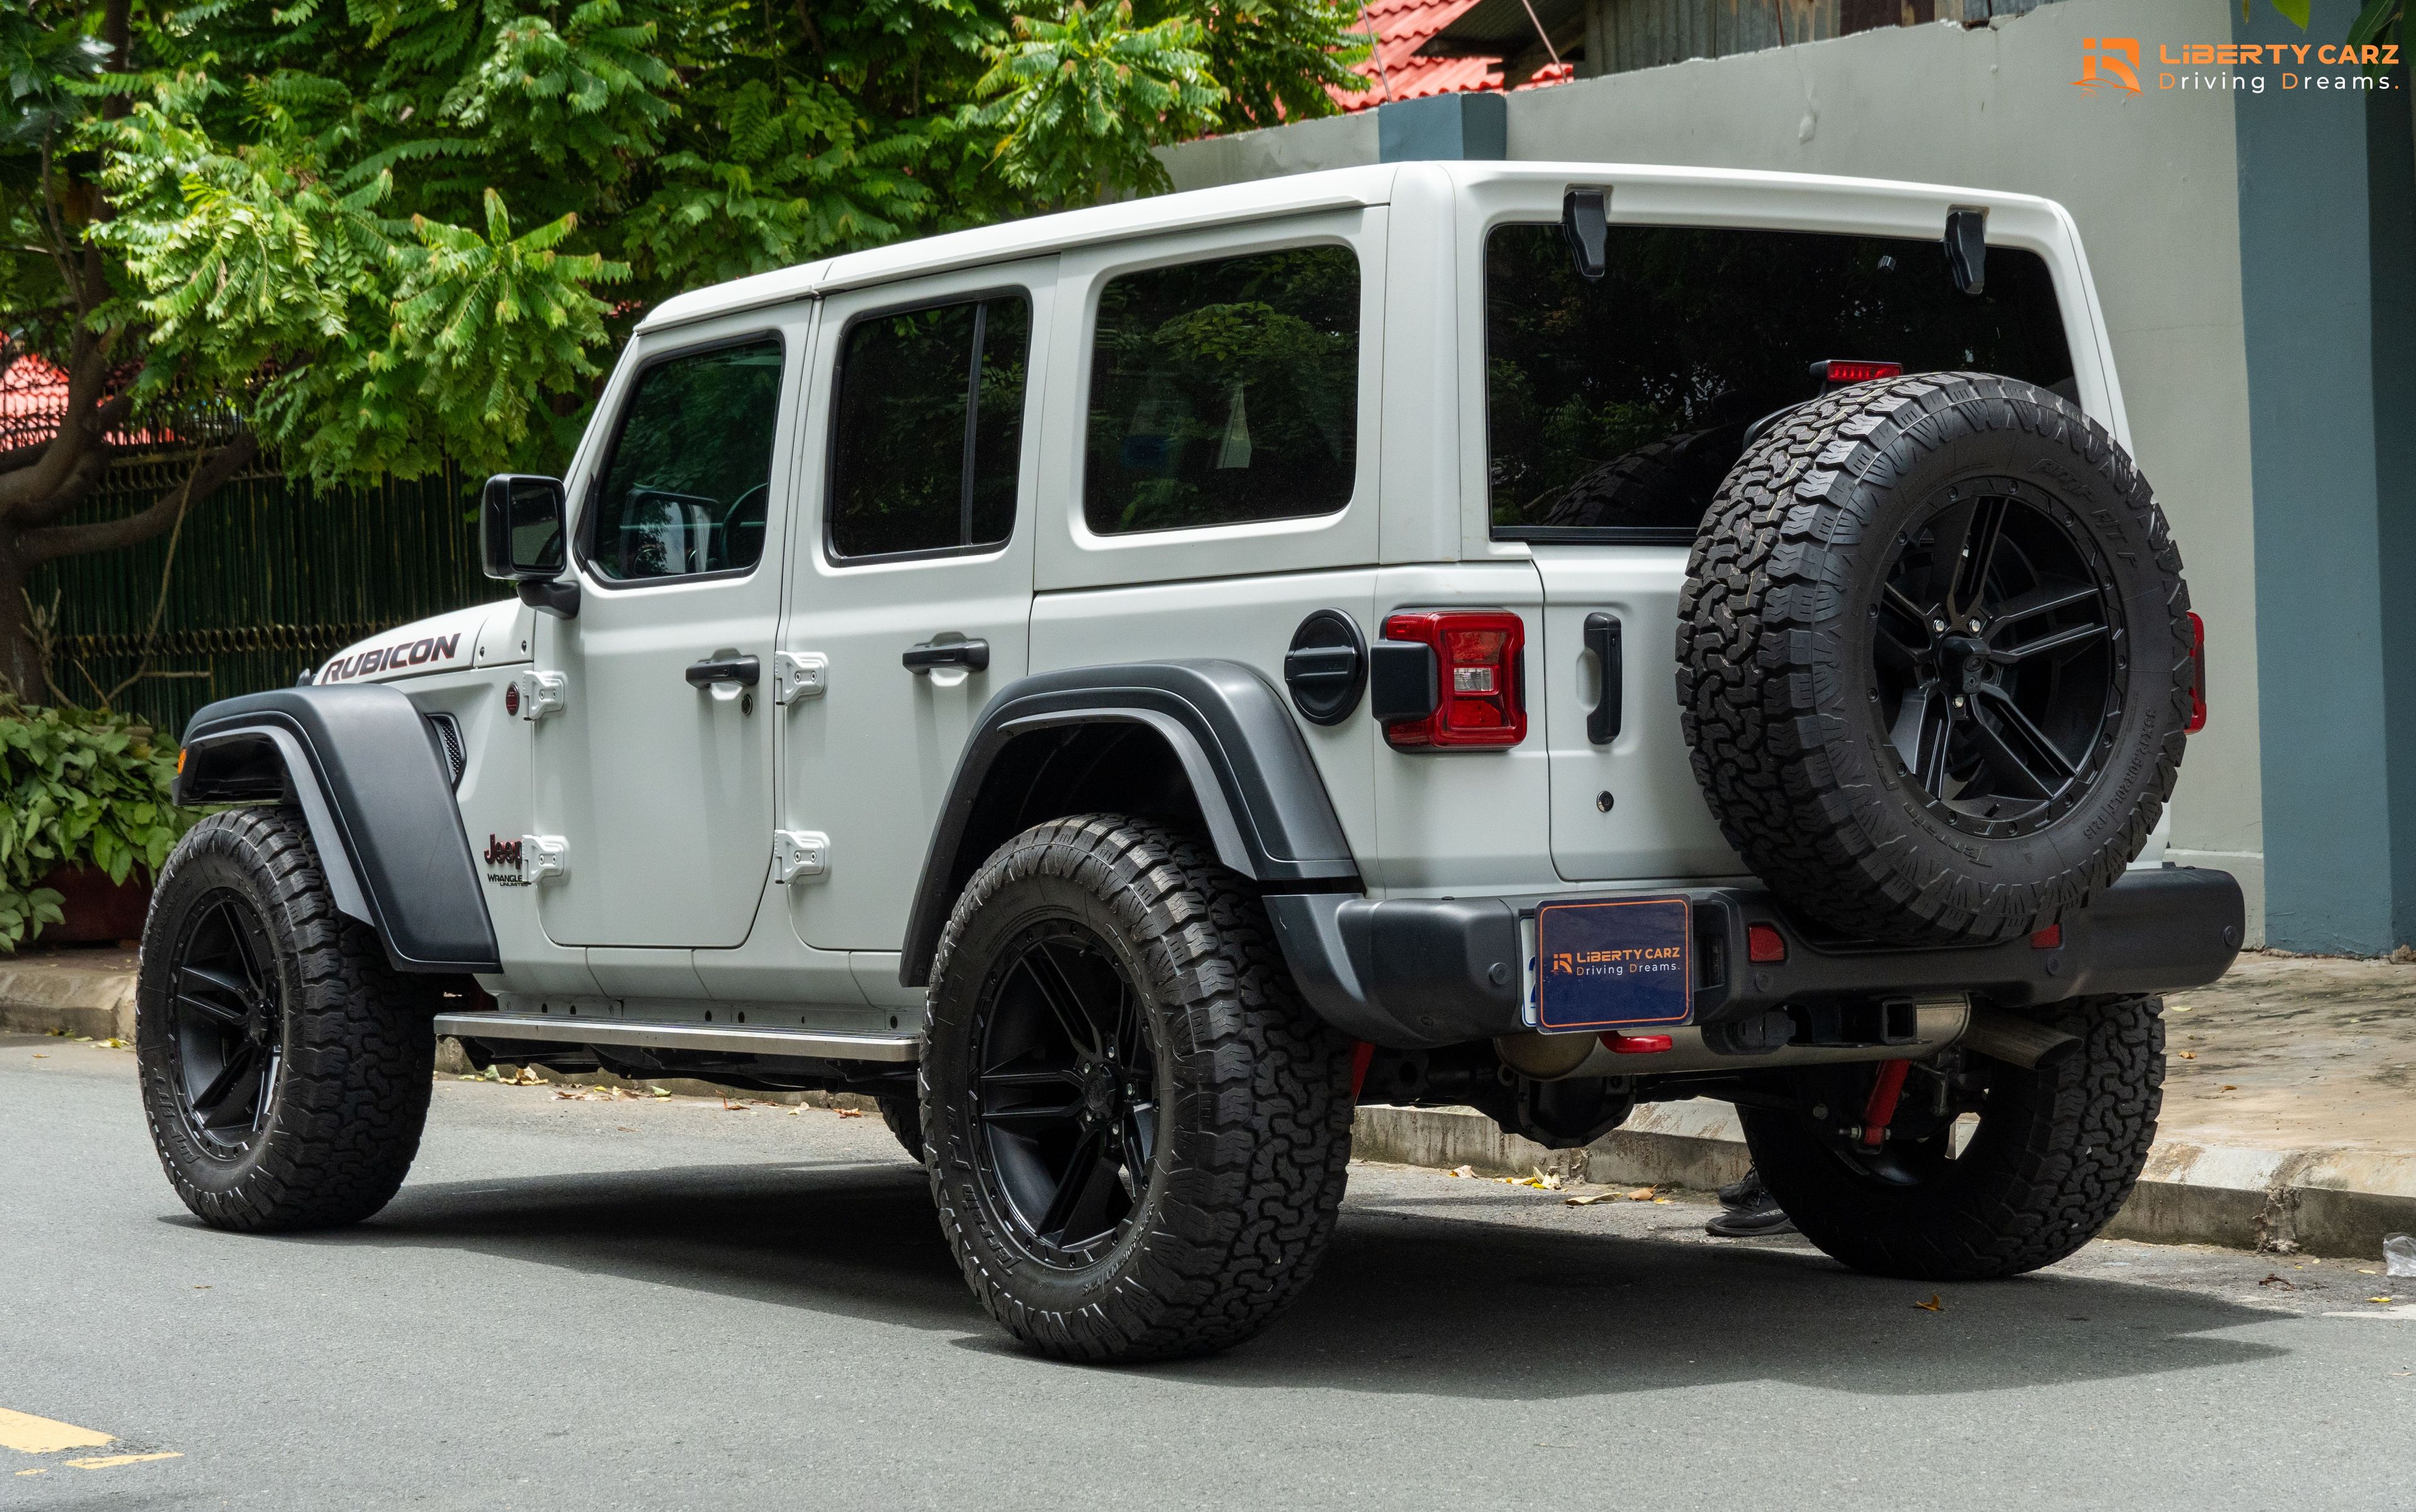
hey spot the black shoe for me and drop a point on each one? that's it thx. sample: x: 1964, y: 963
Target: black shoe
x: 1763, y: 1217
x: 1745, y: 1191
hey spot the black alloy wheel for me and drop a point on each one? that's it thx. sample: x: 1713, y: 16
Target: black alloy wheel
x: 226, y: 1024
x: 1998, y: 647
x: 1066, y: 1094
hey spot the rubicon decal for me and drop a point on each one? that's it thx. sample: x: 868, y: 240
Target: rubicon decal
x: 419, y: 653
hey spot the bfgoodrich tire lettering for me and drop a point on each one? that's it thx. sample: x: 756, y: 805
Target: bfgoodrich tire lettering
x: 1800, y: 659
x: 1218, y: 1105
x: 334, y: 1050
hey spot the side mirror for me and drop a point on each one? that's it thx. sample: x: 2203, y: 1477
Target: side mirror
x: 523, y: 522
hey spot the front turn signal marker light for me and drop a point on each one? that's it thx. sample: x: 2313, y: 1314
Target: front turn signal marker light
x: 1478, y: 695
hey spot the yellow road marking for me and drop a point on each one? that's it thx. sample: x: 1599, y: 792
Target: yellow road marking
x: 107, y: 1462
x: 28, y: 1434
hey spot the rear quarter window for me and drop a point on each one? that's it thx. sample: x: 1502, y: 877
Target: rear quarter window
x: 1614, y: 408
x: 1224, y: 391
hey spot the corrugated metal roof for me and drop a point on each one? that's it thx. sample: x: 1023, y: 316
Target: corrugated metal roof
x: 1402, y: 28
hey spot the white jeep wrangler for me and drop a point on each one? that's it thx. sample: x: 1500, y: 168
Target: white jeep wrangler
x: 1123, y: 688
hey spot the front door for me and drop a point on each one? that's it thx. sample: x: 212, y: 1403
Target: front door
x: 913, y: 600
x: 656, y: 772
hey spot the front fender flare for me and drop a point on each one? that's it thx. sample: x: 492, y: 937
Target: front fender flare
x: 364, y: 768
x: 1264, y: 805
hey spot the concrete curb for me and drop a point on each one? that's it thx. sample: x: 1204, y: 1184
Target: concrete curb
x: 2322, y: 1202
x: 38, y: 997
x: 2326, y: 1201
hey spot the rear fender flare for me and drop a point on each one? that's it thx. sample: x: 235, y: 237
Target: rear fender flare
x: 1263, y: 806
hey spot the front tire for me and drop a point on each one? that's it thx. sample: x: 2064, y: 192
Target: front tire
x: 2056, y: 1153
x: 285, y: 1066
x: 1137, y: 1133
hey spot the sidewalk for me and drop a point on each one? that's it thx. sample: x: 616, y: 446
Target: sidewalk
x: 2290, y: 1115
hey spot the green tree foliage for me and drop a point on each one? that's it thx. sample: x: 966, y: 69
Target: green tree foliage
x: 395, y: 232
x: 80, y: 787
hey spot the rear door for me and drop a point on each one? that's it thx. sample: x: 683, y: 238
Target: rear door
x: 913, y: 591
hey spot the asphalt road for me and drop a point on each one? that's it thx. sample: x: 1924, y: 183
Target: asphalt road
x: 666, y: 1305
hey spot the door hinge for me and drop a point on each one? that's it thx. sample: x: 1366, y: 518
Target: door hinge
x: 544, y: 858
x: 797, y: 674
x: 799, y: 855
x: 540, y: 693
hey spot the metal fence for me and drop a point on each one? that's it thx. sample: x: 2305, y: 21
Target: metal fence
x: 269, y: 577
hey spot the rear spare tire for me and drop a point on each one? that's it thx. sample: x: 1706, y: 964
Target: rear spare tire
x: 1934, y: 658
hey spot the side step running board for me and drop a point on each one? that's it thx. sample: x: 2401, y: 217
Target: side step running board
x: 708, y: 1038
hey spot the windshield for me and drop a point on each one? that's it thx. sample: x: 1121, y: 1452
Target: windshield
x: 1614, y: 408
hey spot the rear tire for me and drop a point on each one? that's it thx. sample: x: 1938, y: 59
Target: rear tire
x: 903, y: 1114
x: 1138, y: 1134
x: 2055, y: 1157
x: 285, y: 1066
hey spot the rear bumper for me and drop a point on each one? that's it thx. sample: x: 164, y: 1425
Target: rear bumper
x: 1414, y: 973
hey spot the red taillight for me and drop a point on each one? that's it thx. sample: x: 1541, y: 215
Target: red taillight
x: 2198, y: 675
x: 1852, y: 371
x: 1478, y: 657
x: 1764, y: 944
x: 1619, y: 1044
x: 2050, y: 938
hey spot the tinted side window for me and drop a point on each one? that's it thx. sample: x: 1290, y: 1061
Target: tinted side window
x: 1623, y: 403
x: 928, y: 433
x: 1224, y: 391
x: 689, y: 485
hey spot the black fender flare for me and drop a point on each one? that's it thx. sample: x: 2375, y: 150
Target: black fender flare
x: 364, y: 768
x: 1265, y: 807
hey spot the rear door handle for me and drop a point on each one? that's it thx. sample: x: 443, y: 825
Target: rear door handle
x: 743, y: 671
x: 1602, y: 639
x: 973, y: 656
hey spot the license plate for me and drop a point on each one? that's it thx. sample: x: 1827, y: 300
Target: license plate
x: 1614, y: 963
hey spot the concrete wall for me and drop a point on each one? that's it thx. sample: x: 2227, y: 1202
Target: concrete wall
x: 2150, y: 178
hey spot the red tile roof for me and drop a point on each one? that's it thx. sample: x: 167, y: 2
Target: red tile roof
x: 1403, y: 26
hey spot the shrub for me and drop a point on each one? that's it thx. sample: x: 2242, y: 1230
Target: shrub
x: 81, y: 785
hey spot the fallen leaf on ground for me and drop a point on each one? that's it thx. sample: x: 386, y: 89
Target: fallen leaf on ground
x: 2189, y: 1055
x: 1461, y: 1170
x: 40, y: 1056
x: 851, y: 1113
x: 2277, y: 1280
x: 2226, y: 1087
x: 528, y: 1078
x: 1935, y: 1304
x: 1590, y: 1198
x: 1644, y: 1194
x: 658, y: 1092
x: 2378, y: 1299
x: 112, y: 1043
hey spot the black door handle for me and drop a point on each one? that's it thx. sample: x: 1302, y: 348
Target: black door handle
x: 1602, y: 639
x: 973, y: 656
x: 743, y: 671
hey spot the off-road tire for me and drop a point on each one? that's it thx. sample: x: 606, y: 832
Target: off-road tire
x: 1777, y: 695
x: 2055, y: 1157
x: 903, y: 1113
x: 357, y: 1039
x: 1254, y: 1092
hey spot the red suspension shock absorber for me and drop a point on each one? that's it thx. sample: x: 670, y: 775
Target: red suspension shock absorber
x: 1881, y: 1108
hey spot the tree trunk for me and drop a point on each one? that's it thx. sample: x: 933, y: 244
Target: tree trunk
x: 19, y: 662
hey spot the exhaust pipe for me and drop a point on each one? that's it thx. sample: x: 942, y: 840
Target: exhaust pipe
x: 1937, y: 1023
x: 2016, y: 1040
